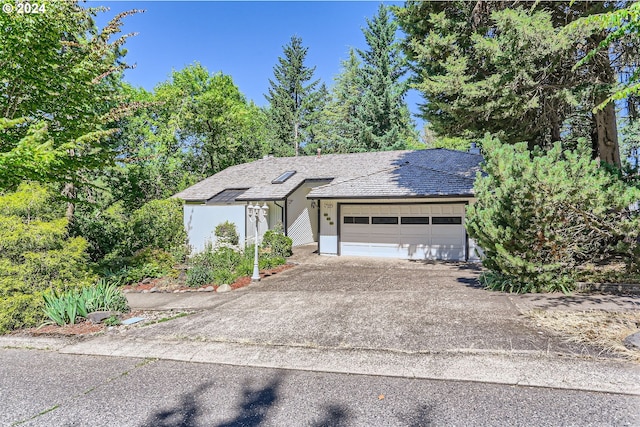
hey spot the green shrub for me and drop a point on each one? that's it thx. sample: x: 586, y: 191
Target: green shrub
x: 36, y: 253
x: 222, y: 276
x: 106, y: 229
x: 146, y: 263
x: 213, y: 265
x: 245, y: 267
x: 199, y: 275
x: 266, y: 263
x: 159, y: 225
x: 224, y: 264
x: 276, y: 244
x: 20, y: 311
x: 541, y: 216
x: 227, y: 232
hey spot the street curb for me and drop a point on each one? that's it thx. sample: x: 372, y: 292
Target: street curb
x: 518, y: 368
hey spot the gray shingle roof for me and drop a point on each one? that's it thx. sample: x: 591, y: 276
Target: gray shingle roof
x: 433, y: 172
x: 400, y: 181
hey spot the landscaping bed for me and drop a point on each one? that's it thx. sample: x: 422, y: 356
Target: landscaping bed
x: 85, y: 327
x: 178, y: 285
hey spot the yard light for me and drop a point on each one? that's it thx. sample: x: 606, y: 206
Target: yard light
x: 257, y: 214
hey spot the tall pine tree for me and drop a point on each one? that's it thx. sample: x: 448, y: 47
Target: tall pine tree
x: 342, y: 110
x: 291, y: 97
x: 383, y: 115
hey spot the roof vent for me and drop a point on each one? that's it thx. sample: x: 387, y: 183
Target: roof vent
x: 282, y: 178
x: 474, y: 149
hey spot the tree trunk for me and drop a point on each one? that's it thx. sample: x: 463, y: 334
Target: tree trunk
x: 604, y: 135
x: 70, y: 193
x: 295, y: 136
x: 604, y: 130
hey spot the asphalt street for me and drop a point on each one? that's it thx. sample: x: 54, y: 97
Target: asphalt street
x: 45, y: 388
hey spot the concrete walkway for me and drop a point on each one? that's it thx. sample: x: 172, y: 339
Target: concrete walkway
x: 376, y: 317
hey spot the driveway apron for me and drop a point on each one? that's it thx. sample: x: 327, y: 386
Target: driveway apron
x: 366, y: 304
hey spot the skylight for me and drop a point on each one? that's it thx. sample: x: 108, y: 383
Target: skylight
x: 282, y: 178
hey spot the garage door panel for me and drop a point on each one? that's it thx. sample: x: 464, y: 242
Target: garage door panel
x: 388, y: 235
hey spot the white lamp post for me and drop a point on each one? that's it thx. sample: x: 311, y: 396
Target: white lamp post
x: 257, y: 214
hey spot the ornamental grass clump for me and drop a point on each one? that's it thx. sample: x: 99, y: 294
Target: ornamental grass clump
x: 542, y: 216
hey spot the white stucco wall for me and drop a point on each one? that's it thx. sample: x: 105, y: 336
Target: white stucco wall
x: 302, y: 216
x: 200, y: 222
x: 273, y: 217
x: 328, y: 239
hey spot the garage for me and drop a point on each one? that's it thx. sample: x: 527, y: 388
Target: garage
x: 407, y: 231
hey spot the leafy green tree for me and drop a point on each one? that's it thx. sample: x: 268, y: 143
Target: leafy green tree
x: 210, y: 119
x: 383, y: 117
x: 151, y: 159
x: 59, y: 76
x: 541, y: 216
x: 291, y: 98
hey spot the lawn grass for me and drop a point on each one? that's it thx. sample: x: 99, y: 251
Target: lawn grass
x: 603, y: 329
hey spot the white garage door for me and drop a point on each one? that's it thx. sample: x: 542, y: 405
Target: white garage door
x: 412, y: 231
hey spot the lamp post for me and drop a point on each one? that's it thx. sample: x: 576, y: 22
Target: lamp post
x: 257, y: 214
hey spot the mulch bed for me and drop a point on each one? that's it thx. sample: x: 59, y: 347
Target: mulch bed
x: 82, y: 327
x: 164, y: 285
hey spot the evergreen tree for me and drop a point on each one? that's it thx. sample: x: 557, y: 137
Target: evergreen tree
x: 383, y: 116
x: 342, y: 110
x: 291, y: 96
x: 540, y: 216
x: 318, y: 126
x: 508, y: 68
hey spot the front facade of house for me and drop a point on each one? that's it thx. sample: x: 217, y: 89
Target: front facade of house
x: 398, y: 204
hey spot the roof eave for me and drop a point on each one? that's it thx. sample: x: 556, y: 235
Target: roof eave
x: 414, y: 196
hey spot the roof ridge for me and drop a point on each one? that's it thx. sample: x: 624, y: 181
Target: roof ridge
x: 455, y: 151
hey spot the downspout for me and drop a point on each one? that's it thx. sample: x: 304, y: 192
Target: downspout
x: 319, y: 224
x: 466, y: 235
x: 282, y: 216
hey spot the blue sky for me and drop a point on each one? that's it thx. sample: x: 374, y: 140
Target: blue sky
x: 240, y: 38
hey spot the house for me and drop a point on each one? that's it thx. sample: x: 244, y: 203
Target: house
x: 400, y: 204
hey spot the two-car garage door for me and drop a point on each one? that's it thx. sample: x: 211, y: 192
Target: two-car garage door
x: 411, y: 231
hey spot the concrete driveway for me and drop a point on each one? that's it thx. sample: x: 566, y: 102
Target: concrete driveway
x: 369, y: 316
x: 361, y: 303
